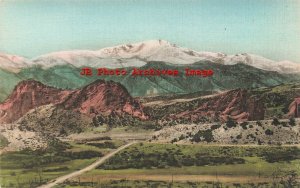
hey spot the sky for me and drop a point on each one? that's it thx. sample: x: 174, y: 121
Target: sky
x: 270, y: 28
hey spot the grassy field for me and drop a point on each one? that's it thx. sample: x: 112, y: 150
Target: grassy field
x: 148, y: 156
x: 29, y: 168
x: 166, y: 184
x: 154, y: 165
x: 195, y: 166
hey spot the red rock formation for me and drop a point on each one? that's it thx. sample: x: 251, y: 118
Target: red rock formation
x: 28, y: 95
x: 235, y: 104
x: 99, y: 97
x: 294, y: 108
x: 104, y: 98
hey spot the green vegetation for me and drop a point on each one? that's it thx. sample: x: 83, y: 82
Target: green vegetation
x: 3, y: 141
x: 203, y: 135
x: 244, y: 125
x: 277, y: 99
x: 231, y: 77
x: 269, y: 132
x: 169, y: 155
x: 275, y: 122
x: 144, y: 157
x: 292, y: 122
x: 231, y: 123
x: 258, y: 123
x: 94, y: 139
x: 215, y: 126
x: 274, y: 102
x: 173, y: 184
x: 28, y: 168
x: 106, y: 144
x: 113, y: 120
x: 154, y: 165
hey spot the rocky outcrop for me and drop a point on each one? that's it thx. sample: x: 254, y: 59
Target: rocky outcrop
x: 99, y: 97
x: 235, y: 104
x: 104, y: 98
x: 28, y: 95
x: 294, y: 108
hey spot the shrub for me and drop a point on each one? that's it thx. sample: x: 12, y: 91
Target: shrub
x: 275, y: 122
x: 105, y: 144
x: 82, y: 154
x: 62, y: 131
x: 216, y: 126
x: 259, y: 123
x: 269, y: 132
x: 259, y: 142
x: 203, y: 135
x: 278, y: 154
x: 292, y: 122
x: 244, y: 125
x: 3, y: 141
x: 181, y: 137
x: 231, y: 123
x: 251, y: 136
x: 284, y: 124
x: 174, y: 140
x: 57, y: 169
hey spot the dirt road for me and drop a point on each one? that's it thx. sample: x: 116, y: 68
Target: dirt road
x: 88, y: 168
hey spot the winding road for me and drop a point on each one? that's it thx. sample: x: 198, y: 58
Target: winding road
x: 88, y: 168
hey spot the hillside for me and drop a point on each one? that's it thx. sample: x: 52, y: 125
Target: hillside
x: 97, y: 98
x: 225, y: 77
x: 251, y: 132
x: 239, y: 105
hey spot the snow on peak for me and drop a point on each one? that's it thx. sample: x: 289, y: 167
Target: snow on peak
x: 259, y: 62
x: 13, y: 63
x: 138, y: 54
x: 136, y: 49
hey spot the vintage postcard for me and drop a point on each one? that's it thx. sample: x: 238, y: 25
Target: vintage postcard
x: 150, y: 93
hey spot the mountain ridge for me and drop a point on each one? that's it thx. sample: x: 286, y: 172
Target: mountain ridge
x: 138, y: 54
x: 225, y: 77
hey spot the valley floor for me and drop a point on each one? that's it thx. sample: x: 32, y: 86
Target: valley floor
x: 229, y: 165
x: 151, y: 164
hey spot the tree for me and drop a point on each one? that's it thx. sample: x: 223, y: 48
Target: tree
x: 258, y: 123
x: 292, y: 122
x: 269, y: 132
x: 244, y: 125
x: 205, y: 135
x: 275, y: 122
x: 230, y: 123
x: 182, y: 137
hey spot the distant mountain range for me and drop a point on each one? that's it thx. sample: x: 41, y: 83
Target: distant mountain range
x: 61, y: 69
x: 138, y: 54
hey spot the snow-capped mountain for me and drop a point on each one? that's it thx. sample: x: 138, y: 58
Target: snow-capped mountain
x: 259, y: 62
x: 13, y: 63
x: 138, y: 54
